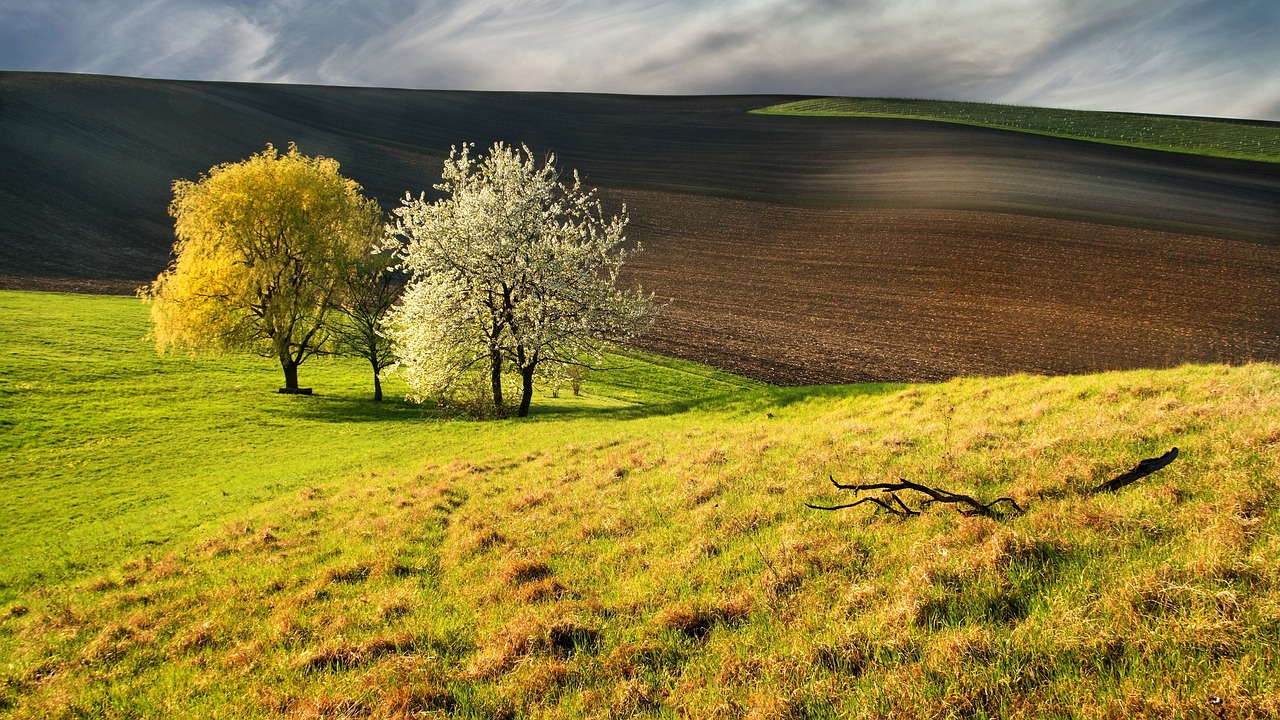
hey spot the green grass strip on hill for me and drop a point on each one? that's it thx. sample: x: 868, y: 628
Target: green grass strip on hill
x: 1198, y: 136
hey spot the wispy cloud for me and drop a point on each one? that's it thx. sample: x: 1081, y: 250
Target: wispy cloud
x: 1202, y: 57
x: 150, y: 38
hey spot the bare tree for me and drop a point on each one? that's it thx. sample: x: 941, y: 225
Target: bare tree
x: 367, y: 290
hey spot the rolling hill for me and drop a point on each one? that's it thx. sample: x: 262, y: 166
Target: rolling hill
x: 182, y: 542
x: 797, y: 250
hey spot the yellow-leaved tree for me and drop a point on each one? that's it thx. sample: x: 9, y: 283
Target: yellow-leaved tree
x: 261, y: 246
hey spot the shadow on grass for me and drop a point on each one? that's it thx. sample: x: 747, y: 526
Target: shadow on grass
x: 745, y: 403
x: 360, y: 409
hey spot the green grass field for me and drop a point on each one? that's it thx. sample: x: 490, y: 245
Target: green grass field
x: 1198, y: 136
x: 113, y: 451
x: 180, y: 541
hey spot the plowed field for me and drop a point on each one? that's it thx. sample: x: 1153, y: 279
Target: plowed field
x: 797, y: 250
x: 825, y: 296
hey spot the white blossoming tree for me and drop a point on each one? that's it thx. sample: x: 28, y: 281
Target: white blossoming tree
x: 511, y: 270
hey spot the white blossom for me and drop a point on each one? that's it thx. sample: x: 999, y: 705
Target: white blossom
x: 511, y: 269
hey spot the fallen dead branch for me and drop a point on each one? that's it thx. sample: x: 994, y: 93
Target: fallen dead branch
x: 895, y: 505
x: 890, y: 502
x: 1139, y: 471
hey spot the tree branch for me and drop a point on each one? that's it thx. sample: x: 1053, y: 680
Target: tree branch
x: 1137, y: 472
x: 900, y: 510
x: 972, y: 506
x: 934, y: 495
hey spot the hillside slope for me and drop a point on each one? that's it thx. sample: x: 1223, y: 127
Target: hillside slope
x: 857, y: 217
x: 298, y: 557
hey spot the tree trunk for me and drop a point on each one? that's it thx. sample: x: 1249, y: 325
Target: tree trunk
x: 291, y: 379
x: 495, y: 381
x: 526, y: 390
x: 290, y: 375
x: 377, y: 385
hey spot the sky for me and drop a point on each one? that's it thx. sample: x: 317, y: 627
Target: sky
x: 1188, y: 57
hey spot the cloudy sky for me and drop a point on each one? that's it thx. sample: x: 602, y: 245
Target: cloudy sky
x: 1196, y: 57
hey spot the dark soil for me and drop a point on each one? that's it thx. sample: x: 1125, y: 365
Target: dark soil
x: 824, y: 296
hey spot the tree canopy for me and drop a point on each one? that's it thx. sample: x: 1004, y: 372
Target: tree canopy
x: 261, y: 246
x: 512, y: 268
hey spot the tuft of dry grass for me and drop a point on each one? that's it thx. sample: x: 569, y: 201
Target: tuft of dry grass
x: 697, y: 619
x: 347, y: 575
x: 526, y: 635
x: 328, y: 707
x: 194, y: 639
x: 520, y: 572
x: 346, y: 655
x: 544, y: 590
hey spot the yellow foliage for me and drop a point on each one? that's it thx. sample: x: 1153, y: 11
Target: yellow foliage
x: 259, y: 247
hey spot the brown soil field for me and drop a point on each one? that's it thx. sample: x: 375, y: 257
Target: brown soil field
x: 797, y: 295
x: 798, y: 250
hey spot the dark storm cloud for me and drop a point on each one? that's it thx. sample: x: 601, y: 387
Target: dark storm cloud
x: 1189, y: 56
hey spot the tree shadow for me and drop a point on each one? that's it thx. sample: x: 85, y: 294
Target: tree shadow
x: 744, y: 403
x: 336, y: 408
x: 345, y: 408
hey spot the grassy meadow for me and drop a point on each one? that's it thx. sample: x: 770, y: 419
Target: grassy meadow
x: 180, y: 541
x: 1197, y: 136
